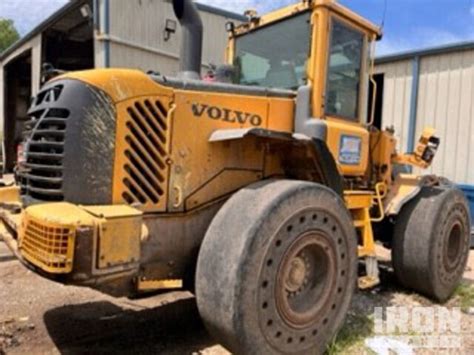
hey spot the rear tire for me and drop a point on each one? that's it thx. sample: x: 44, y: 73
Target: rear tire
x: 277, y: 269
x: 431, y: 242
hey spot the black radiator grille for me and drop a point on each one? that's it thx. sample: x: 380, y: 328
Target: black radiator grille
x: 41, y: 175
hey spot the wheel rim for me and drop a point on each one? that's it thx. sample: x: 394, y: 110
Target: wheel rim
x: 293, y: 324
x: 305, y: 275
x: 454, y: 245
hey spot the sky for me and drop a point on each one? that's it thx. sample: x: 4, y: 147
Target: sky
x: 409, y: 24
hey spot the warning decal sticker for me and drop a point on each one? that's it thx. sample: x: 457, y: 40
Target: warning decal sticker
x: 350, y: 150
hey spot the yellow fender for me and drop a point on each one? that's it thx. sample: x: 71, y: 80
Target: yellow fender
x: 406, y: 187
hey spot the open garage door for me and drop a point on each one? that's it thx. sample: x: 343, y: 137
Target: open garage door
x: 17, y: 89
x: 69, y: 44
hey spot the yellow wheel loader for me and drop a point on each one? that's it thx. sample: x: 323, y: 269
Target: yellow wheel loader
x: 261, y: 193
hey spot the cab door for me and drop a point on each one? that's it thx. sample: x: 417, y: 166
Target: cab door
x: 345, y: 95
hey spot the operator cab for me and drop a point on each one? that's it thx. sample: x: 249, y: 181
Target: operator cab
x: 324, y: 47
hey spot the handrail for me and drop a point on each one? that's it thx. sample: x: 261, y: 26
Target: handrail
x: 380, y: 193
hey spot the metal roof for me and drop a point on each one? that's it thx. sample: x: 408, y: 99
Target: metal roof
x: 221, y: 12
x: 455, y: 47
x: 75, y: 3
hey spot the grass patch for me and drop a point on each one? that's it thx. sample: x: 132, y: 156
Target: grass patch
x: 465, y: 296
x: 357, y: 328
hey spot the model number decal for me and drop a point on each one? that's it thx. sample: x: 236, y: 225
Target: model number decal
x: 226, y: 115
x: 350, y: 150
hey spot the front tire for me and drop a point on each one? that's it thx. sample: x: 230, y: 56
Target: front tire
x: 277, y: 269
x: 431, y: 242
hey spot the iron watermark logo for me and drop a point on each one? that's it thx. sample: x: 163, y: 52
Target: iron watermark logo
x: 400, y: 329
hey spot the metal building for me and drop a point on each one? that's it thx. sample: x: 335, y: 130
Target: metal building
x: 84, y: 34
x: 433, y: 87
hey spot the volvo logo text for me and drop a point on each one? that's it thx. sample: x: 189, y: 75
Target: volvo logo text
x: 226, y: 115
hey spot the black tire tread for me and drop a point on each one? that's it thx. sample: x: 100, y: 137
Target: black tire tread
x: 417, y: 241
x: 227, y: 257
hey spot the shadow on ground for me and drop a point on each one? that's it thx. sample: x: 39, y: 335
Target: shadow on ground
x: 174, y: 328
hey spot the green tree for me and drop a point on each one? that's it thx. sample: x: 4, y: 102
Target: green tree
x: 8, y: 34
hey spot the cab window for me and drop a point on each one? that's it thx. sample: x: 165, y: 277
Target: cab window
x: 276, y: 55
x: 344, y: 72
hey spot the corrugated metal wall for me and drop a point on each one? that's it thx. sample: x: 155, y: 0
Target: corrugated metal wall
x: 396, y: 98
x: 137, y: 36
x: 445, y: 102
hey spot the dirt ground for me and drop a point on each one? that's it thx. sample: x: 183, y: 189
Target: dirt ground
x: 38, y: 316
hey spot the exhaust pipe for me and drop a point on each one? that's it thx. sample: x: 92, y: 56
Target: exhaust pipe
x: 191, y: 42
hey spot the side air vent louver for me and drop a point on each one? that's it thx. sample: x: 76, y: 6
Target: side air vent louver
x: 41, y: 175
x: 145, y: 166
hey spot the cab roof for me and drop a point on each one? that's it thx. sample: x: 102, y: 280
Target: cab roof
x: 304, y: 5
